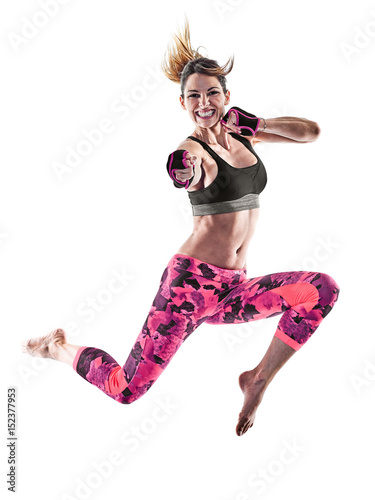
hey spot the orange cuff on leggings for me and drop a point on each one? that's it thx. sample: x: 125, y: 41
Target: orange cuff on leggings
x: 287, y: 340
x: 297, y: 295
x: 116, y: 381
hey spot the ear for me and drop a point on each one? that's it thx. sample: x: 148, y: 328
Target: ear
x: 227, y: 98
x: 182, y: 102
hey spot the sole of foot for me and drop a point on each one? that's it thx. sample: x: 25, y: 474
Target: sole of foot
x: 44, y: 347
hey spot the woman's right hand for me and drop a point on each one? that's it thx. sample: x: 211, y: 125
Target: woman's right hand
x: 187, y: 173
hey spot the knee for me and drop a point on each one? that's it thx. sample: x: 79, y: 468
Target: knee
x: 125, y: 397
x: 124, y: 401
x: 116, y: 381
x: 328, y: 289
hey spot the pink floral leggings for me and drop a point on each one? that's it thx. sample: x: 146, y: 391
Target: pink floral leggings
x: 192, y: 292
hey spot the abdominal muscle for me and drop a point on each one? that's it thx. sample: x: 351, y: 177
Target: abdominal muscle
x: 222, y: 239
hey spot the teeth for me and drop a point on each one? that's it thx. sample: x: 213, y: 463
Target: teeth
x: 208, y: 113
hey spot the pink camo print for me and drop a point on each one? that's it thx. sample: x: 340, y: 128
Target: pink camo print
x: 192, y: 292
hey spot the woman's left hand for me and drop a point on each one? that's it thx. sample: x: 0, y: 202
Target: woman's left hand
x: 230, y: 126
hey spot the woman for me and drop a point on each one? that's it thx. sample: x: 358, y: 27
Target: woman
x: 205, y: 281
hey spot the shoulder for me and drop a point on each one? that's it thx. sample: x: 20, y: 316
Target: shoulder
x: 191, y: 146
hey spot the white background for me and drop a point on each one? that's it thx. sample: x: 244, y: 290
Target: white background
x: 117, y: 210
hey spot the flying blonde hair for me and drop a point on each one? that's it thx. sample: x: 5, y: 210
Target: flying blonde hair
x: 181, y: 60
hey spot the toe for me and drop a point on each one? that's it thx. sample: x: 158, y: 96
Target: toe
x: 240, y: 426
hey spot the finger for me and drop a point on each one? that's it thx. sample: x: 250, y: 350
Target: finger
x: 229, y: 127
x: 232, y: 121
x: 190, y: 158
x: 234, y: 128
x: 225, y: 127
x: 184, y: 174
x: 181, y: 177
x: 190, y: 164
x: 226, y: 142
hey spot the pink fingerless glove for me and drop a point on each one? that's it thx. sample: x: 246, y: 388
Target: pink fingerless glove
x: 177, y: 161
x: 247, y: 122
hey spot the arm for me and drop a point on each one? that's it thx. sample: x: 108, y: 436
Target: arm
x: 287, y: 129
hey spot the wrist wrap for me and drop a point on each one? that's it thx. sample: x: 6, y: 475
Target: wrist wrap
x: 247, y: 122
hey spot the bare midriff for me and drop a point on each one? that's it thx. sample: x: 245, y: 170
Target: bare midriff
x: 222, y: 239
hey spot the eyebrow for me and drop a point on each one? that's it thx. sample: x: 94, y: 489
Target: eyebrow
x: 207, y: 89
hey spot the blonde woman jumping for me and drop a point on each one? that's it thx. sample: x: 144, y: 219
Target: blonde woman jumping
x: 205, y: 281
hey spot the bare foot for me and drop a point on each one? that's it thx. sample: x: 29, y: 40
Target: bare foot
x: 45, y: 347
x: 253, y: 388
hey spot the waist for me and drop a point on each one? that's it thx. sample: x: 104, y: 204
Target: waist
x: 207, y: 270
x: 222, y: 239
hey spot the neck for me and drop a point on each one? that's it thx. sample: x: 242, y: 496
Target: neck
x: 213, y: 135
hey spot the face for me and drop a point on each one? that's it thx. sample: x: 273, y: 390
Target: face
x: 204, y: 99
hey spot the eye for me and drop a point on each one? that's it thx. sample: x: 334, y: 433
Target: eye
x: 194, y: 95
x: 213, y: 92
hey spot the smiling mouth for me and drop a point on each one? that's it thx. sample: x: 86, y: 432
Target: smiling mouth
x: 205, y: 114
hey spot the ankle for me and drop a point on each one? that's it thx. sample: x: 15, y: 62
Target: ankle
x: 262, y: 375
x: 56, y: 350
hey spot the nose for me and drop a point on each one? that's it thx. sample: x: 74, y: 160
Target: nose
x: 204, y: 101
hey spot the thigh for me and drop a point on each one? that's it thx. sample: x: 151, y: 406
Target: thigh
x: 182, y: 303
x: 267, y: 296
